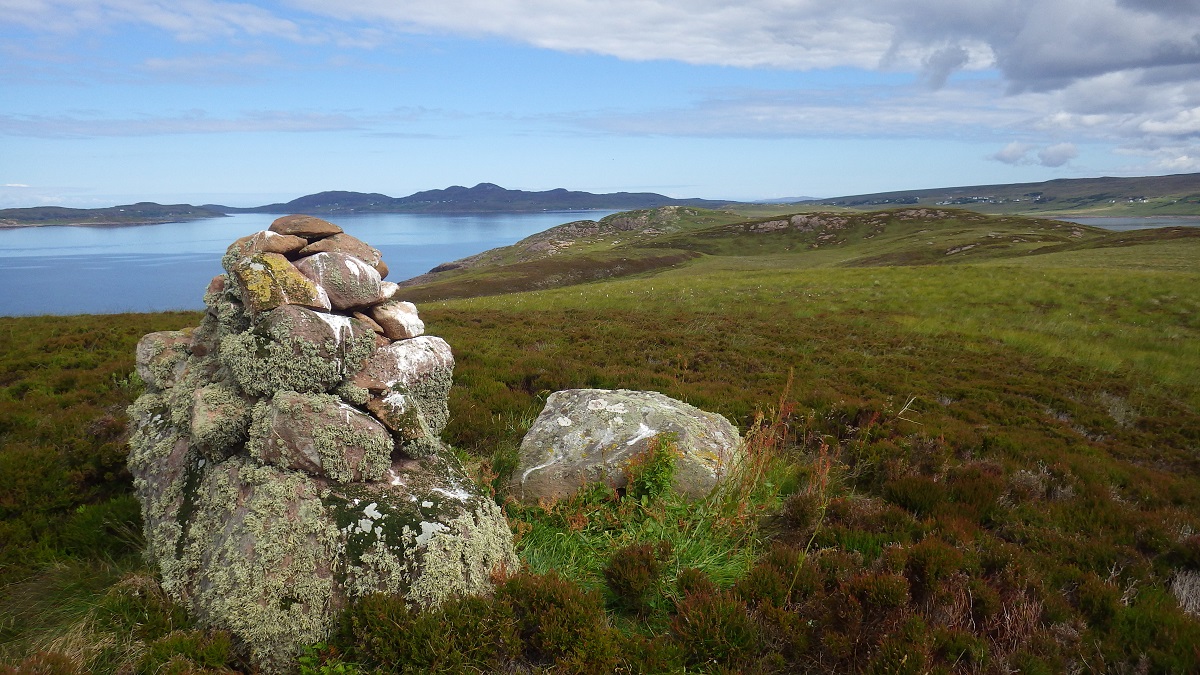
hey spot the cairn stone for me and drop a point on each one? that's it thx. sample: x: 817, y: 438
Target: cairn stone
x: 344, y: 243
x: 309, y: 227
x: 398, y: 320
x: 286, y: 452
x: 162, y: 356
x: 269, y: 280
x: 585, y: 436
x: 348, y: 282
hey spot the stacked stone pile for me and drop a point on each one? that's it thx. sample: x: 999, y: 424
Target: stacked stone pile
x: 286, y: 451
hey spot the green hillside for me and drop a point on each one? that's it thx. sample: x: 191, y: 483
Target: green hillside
x: 975, y: 448
x: 1173, y: 195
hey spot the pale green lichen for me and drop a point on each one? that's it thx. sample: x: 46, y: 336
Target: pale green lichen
x: 159, y: 465
x: 220, y: 419
x: 161, y: 355
x: 460, y: 561
x: 267, y: 359
x: 324, y: 422
x: 262, y: 550
x: 197, y: 373
x: 352, y: 393
x: 427, y: 538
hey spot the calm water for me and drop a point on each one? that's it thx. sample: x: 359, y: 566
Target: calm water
x: 151, y: 268
x: 1125, y: 224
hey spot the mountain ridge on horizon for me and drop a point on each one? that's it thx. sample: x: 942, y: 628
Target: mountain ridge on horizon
x: 1175, y: 194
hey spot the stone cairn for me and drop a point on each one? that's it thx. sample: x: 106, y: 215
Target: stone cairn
x: 286, y: 451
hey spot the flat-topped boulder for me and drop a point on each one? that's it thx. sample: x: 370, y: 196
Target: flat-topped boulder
x: 309, y: 227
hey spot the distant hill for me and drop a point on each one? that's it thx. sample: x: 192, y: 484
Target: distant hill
x: 1177, y: 194
x: 142, y: 213
x: 483, y: 198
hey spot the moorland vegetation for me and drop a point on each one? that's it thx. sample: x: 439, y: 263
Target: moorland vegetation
x: 973, y: 448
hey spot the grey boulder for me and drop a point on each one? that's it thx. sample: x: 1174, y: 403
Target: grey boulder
x: 585, y: 436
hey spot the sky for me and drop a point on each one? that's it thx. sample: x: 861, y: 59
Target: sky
x: 106, y: 102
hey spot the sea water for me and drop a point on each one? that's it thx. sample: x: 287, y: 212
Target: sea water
x: 152, y: 268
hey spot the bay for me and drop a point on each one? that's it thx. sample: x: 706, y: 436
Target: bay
x: 153, y: 268
x: 1124, y: 224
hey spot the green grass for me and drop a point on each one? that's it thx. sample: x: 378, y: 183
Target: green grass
x: 972, y: 461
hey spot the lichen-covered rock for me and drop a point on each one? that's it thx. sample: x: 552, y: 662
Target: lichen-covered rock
x: 398, y: 319
x: 409, y: 382
x: 309, y: 227
x: 266, y: 241
x: 348, y: 282
x: 276, y: 483
x: 586, y: 436
x: 345, y: 243
x: 258, y: 558
x: 159, y: 459
x: 161, y: 356
x: 267, y: 280
x: 297, y: 349
x: 423, y: 532
x: 220, y: 419
x: 320, y: 435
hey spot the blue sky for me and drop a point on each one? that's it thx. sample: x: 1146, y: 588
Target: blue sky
x: 113, y: 101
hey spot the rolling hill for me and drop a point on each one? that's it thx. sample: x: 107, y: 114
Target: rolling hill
x: 1177, y: 194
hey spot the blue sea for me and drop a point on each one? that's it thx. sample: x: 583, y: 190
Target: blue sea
x: 152, y: 268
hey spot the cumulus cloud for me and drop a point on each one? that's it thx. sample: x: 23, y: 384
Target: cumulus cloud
x: 1014, y: 153
x: 1058, y: 154
x: 1017, y: 153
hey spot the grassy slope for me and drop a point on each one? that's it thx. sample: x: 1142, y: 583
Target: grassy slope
x: 1029, y: 399
x: 1176, y: 195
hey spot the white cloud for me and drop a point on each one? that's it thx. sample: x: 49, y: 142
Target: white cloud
x: 194, y: 122
x: 1118, y: 71
x: 184, y: 19
x: 200, y: 122
x: 1058, y: 154
x: 1014, y: 153
x: 15, y: 185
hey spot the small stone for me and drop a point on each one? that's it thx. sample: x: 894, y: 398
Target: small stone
x: 298, y: 349
x: 348, y: 281
x: 369, y: 321
x: 220, y: 419
x: 409, y: 382
x: 388, y: 288
x: 268, y: 280
x: 217, y: 285
x: 344, y: 243
x: 266, y: 241
x: 398, y: 319
x: 309, y: 227
x: 162, y: 356
x: 404, y: 364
